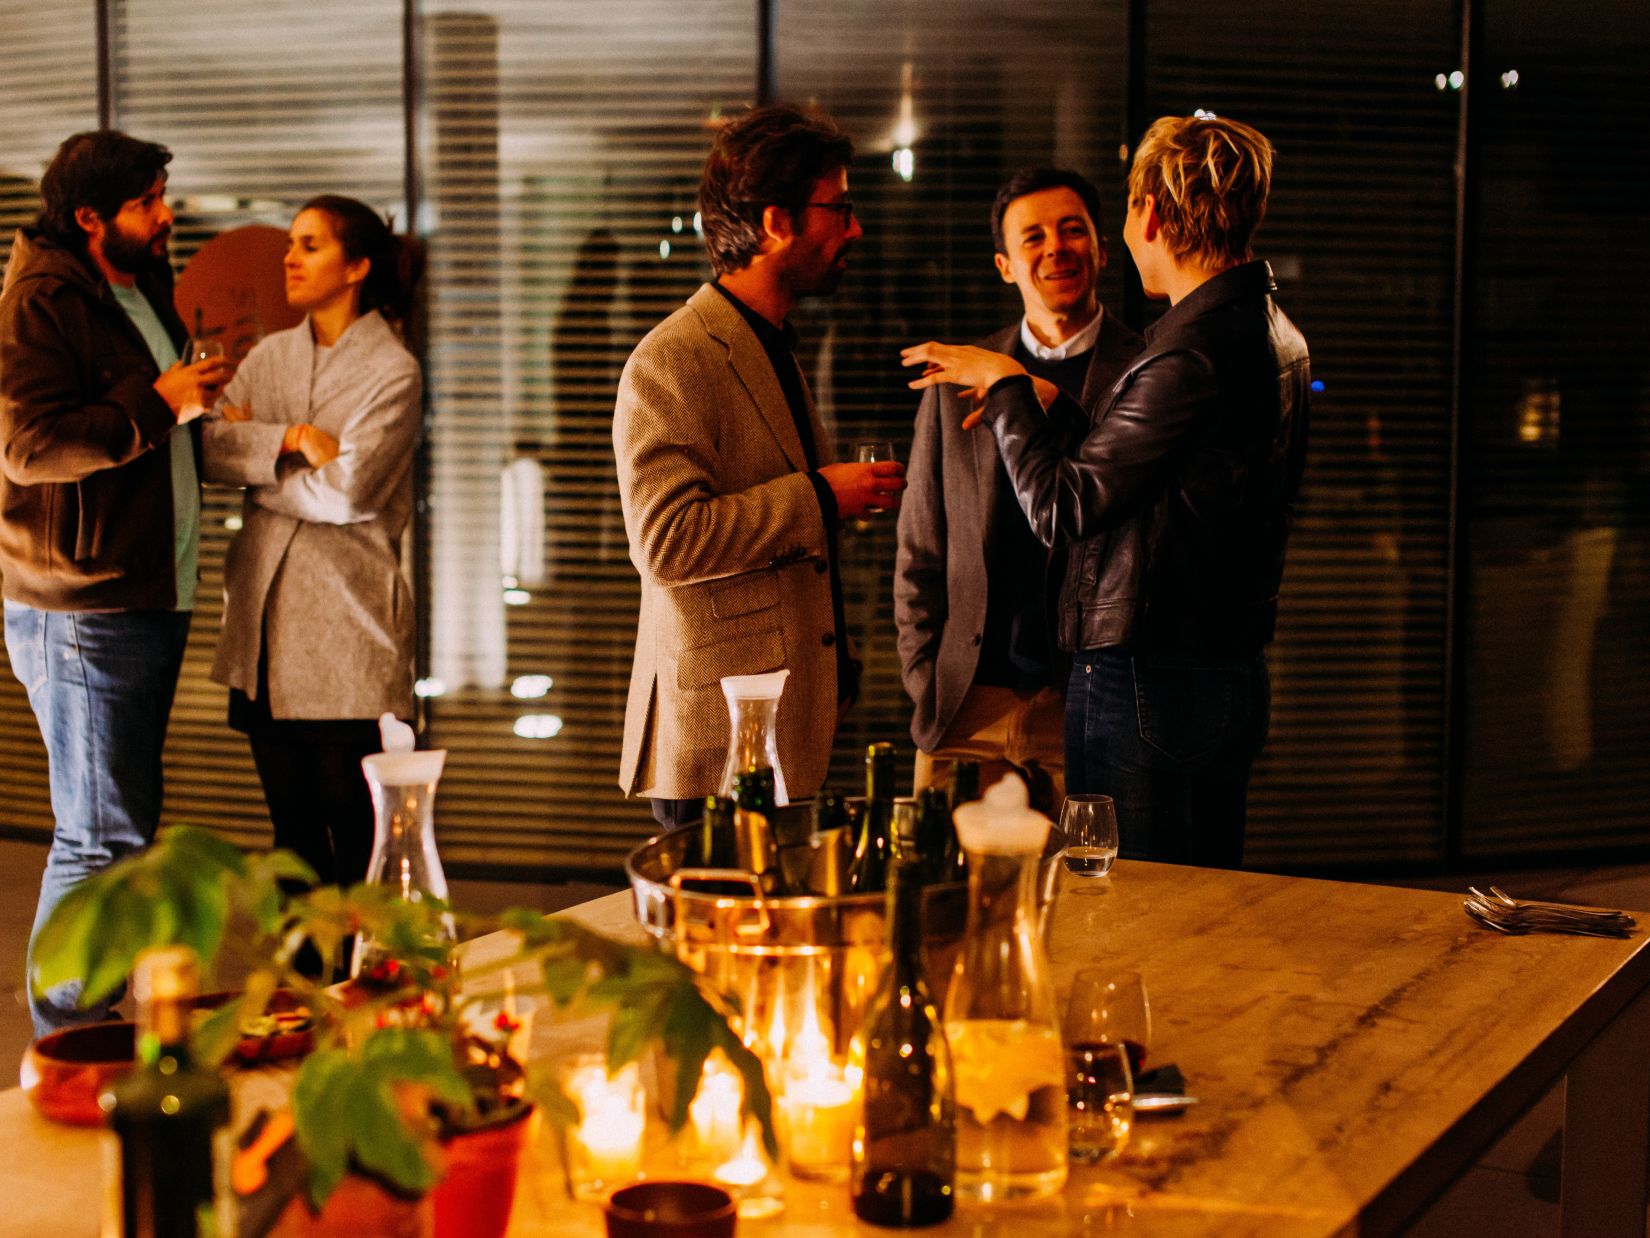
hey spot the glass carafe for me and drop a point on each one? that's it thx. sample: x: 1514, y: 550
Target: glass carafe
x: 753, y: 707
x: 1000, y: 1014
x: 403, y: 848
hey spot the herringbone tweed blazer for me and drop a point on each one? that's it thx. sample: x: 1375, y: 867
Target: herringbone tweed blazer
x: 733, y: 551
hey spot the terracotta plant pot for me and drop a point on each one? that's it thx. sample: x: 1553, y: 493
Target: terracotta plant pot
x: 475, y: 1195
x: 358, y: 1207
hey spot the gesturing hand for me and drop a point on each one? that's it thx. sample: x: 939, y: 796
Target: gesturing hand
x: 864, y: 488
x: 313, y: 443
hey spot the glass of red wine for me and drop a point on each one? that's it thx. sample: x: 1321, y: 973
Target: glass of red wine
x: 1107, y: 1031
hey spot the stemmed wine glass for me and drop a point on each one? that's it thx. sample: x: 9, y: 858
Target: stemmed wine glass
x: 1107, y: 1028
x: 1089, y: 823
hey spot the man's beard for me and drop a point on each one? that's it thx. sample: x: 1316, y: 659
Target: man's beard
x: 821, y: 283
x: 133, y: 257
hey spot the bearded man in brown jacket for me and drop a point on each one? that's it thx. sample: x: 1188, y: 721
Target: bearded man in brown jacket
x: 99, y: 501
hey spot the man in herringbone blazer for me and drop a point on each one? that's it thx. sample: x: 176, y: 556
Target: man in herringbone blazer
x: 971, y: 580
x: 730, y: 494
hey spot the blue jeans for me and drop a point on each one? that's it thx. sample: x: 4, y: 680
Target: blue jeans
x: 1172, y: 740
x: 101, y: 687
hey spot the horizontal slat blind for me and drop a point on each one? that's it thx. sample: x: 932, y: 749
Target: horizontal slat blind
x: 1558, y: 571
x: 262, y: 106
x: 1361, y: 235
x: 997, y: 87
x: 561, y: 149
x: 48, y: 81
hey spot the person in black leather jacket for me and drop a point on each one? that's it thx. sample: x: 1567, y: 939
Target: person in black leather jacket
x: 1175, y: 503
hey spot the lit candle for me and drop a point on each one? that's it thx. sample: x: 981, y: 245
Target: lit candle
x: 612, y: 1141
x: 817, y: 1098
x: 747, y: 1168
x: 819, y: 1122
x: 607, y: 1145
x: 715, y: 1110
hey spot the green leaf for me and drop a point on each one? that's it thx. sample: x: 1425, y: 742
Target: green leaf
x: 125, y: 927
x: 687, y: 1040
x: 556, y: 1105
x: 758, y: 1100
x: 63, y: 950
x: 215, y: 1036
x: 634, y: 1026
x: 321, y: 1103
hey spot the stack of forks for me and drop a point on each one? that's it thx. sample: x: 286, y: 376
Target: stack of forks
x: 1497, y: 911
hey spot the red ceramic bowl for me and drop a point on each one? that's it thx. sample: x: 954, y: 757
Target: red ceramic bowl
x: 671, y: 1210
x: 65, y: 1072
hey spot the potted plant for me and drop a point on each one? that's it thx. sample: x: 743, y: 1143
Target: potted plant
x: 410, y: 1052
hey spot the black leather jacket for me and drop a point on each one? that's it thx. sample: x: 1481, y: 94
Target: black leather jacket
x: 1177, y: 502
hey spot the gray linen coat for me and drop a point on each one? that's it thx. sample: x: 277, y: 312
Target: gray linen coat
x: 315, y: 569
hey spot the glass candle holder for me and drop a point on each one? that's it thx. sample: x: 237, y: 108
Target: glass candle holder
x: 604, y: 1150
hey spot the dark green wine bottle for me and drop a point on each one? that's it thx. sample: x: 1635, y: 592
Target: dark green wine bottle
x: 905, y: 1145
x: 965, y: 782
x: 965, y: 787
x: 934, y: 833
x: 757, y: 850
x: 716, y: 845
x: 169, y: 1116
x: 873, y: 849
x: 830, y: 813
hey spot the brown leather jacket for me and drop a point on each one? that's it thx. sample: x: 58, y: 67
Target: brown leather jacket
x: 85, y: 498
x: 1177, y: 503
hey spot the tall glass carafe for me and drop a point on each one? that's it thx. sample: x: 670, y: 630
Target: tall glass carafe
x: 403, y: 849
x: 753, y: 707
x: 1000, y: 1014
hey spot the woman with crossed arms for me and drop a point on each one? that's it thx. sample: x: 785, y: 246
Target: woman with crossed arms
x: 319, y: 425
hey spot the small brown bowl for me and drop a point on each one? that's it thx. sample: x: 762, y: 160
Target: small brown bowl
x: 671, y: 1210
x: 65, y: 1072
x: 291, y: 1034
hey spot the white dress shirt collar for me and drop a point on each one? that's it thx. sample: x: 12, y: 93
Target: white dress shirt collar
x: 1070, y: 347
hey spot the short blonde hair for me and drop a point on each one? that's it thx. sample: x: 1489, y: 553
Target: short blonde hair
x: 1209, y: 178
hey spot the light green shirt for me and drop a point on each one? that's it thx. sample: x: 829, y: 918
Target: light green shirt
x: 186, y: 487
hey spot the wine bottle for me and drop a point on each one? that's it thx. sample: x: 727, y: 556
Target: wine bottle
x: 757, y: 850
x: 716, y: 845
x: 905, y: 1144
x: 965, y: 781
x: 935, y: 835
x: 169, y: 1117
x: 872, y: 850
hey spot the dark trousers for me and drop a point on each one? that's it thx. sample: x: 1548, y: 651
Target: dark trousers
x: 318, y: 798
x: 673, y: 814
x: 1172, y: 740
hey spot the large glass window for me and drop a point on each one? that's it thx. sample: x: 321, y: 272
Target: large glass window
x: 1361, y: 237
x: 1557, y: 584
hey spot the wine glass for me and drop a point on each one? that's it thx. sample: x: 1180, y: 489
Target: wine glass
x: 873, y: 451
x: 1110, y: 1008
x: 1089, y: 823
x: 1100, y: 1069
x: 201, y: 349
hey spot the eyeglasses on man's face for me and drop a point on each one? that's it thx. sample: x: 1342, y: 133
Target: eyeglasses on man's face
x: 844, y: 209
